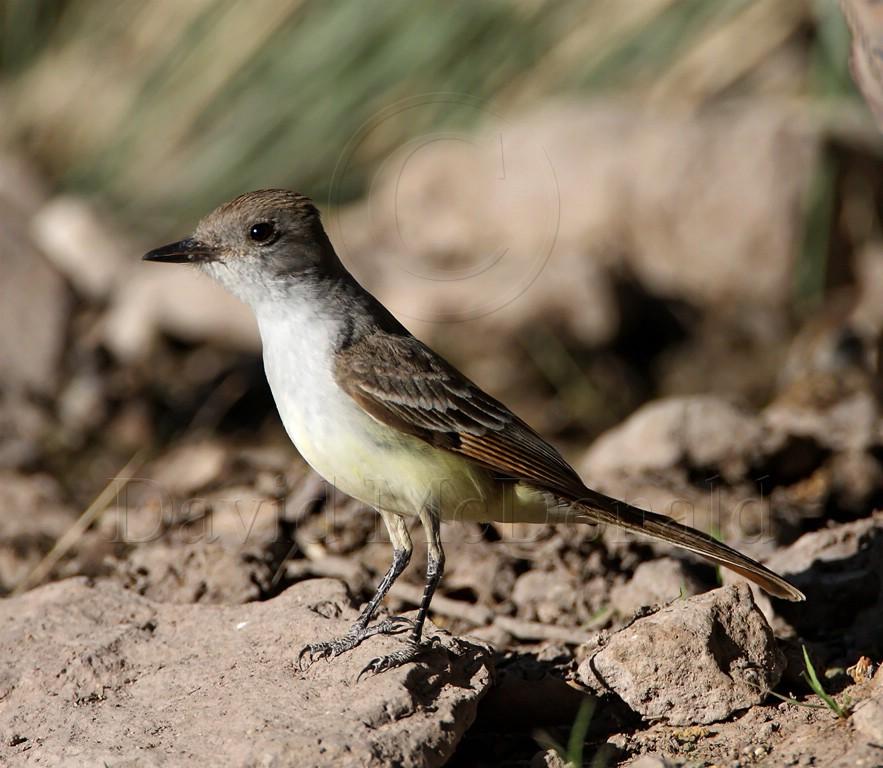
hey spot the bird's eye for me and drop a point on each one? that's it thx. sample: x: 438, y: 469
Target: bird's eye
x: 263, y: 232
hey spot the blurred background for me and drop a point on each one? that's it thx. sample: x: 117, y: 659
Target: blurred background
x: 682, y: 175
x: 587, y: 206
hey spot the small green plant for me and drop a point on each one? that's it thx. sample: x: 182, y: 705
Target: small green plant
x: 812, y: 679
x: 578, y: 731
x: 841, y: 710
x: 599, y: 617
x: 573, y: 753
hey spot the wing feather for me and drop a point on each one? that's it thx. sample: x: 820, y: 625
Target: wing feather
x: 407, y: 386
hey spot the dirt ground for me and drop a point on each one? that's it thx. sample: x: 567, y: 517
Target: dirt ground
x: 165, y: 554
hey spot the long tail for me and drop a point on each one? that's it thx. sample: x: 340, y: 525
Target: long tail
x: 599, y: 508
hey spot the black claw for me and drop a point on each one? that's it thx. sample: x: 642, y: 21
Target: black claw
x: 329, y: 649
x: 332, y: 648
x: 396, y: 659
x: 313, y: 653
x: 393, y: 626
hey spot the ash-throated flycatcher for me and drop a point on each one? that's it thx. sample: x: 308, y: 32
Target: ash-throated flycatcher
x: 385, y: 419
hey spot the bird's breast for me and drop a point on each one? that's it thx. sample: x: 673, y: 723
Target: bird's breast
x: 362, y: 457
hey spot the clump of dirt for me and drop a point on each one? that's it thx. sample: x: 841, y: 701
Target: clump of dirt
x: 94, y: 674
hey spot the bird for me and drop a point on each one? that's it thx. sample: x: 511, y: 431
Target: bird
x: 388, y: 421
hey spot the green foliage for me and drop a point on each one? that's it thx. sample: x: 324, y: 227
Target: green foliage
x: 572, y: 754
x: 166, y: 108
x: 841, y: 710
x: 24, y: 26
x: 577, y: 738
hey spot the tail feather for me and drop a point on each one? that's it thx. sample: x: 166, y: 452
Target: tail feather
x: 598, y: 508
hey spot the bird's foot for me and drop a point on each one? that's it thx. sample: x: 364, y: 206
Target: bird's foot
x: 330, y: 649
x: 411, y: 651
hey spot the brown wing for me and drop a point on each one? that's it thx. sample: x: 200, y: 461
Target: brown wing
x: 404, y: 384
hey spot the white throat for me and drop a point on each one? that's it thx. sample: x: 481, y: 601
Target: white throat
x: 300, y: 335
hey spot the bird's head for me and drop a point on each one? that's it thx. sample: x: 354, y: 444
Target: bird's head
x: 257, y: 244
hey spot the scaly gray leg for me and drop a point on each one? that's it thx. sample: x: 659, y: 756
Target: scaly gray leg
x: 435, y: 567
x: 401, y: 556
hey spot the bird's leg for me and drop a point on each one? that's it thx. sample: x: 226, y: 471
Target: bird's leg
x: 401, y: 556
x: 435, y: 566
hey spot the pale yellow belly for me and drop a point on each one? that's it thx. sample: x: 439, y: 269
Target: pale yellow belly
x: 399, y: 473
x: 360, y: 456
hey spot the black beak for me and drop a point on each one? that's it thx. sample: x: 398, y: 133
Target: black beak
x: 182, y: 252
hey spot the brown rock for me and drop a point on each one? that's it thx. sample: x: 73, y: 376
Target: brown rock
x: 866, y: 24
x: 638, y: 197
x: 243, y: 519
x: 77, y: 242
x: 23, y: 426
x: 547, y: 759
x: 850, y: 423
x: 189, y: 468
x: 655, y: 582
x: 650, y: 761
x: 22, y: 189
x: 33, y: 312
x: 840, y: 569
x: 696, y: 661
x: 95, y: 675
x: 32, y: 518
x: 696, y: 431
x: 545, y: 595
x: 196, y: 572
x: 153, y: 300
x: 868, y: 714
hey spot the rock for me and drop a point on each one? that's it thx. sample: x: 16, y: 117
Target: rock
x: 82, y: 404
x: 244, y: 520
x: 655, y: 582
x: 189, y: 468
x: 23, y: 426
x: 156, y: 299
x: 856, y: 478
x: 32, y: 518
x: 145, y: 300
x: 865, y: 21
x: 849, y: 424
x: 193, y: 572
x: 671, y: 163
x: 545, y: 596
x: 868, y: 714
x: 547, y: 759
x: 867, y: 314
x: 701, y: 431
x: 868, y: 719
x: 94, y: 675
x: 692, y: 459
x: 79, y: 245
x: 696, y: 661
x: 22, y: 190
x: 650, y: 761
x: 34, y: 304
x: 490, y: 251
x: 840, y: 570
x: 637, y: 198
